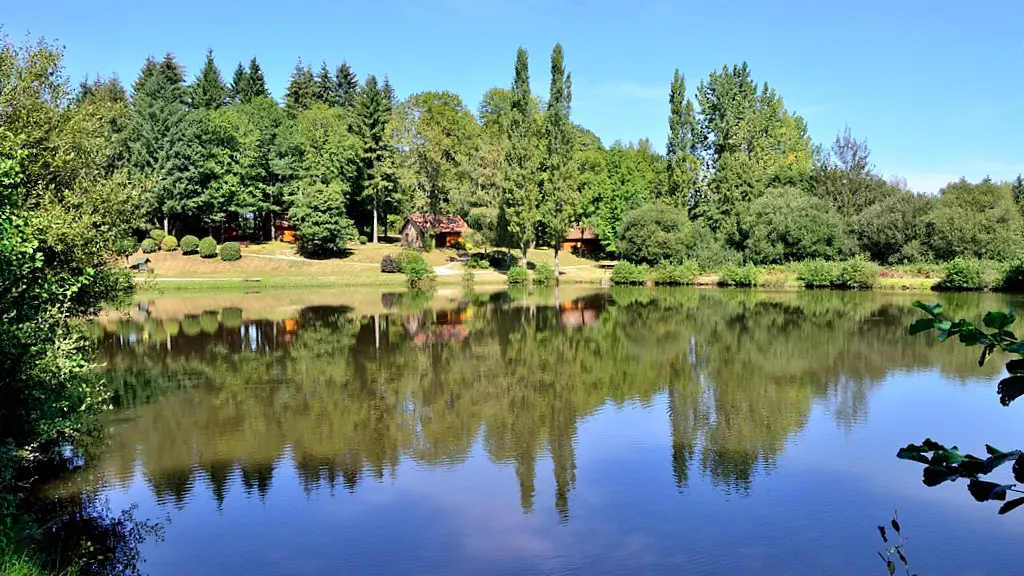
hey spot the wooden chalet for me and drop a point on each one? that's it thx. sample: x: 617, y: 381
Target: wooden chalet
x: 284, y: 231
x: 447, y: 230
x: 581, y: 240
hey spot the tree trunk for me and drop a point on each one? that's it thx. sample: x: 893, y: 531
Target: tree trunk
x: 374, y: 221
x: 525, y: 261
x: 270, y: 228
x: 557, y: 246
x: 166, y: 224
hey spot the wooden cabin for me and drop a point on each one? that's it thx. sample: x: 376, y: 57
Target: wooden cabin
x: 447, y: 230
x: 284, y: 231
x: 581, y: 240
x: 141, y: 264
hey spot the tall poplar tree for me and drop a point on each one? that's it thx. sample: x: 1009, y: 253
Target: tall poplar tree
x: 560, y: 193
x: 373, y: 125
x: 208, y: 89
x: 683, y: 144
x: 518, y: 213
x: 348, y: 85
x: 303, y: 90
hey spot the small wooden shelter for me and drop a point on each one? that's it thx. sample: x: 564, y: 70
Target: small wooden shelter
x: 447, y: 230
x: 581, y: 240
x: 141, y: 264
x: 284, y: 231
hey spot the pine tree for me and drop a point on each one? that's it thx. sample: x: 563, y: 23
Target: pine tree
x: 348, y: 85
x: 302, y: 91
x: 239, y: 83
x: 256, y: 87
x: 373, y: 123
x: 560, y: 193
x: 682, y: 148
x: 327, y: 89
x: 1017, y: 187
x: 518, y: 213
x: 208, y: 89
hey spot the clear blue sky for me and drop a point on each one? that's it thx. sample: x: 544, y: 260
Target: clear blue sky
x: 936, y: 87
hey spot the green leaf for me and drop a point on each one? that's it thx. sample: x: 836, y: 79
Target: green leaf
x: 930, y: 445
x: 1011, y: 505
x: 1018, y: 469
x: 946, y: 457
x: 998, y: 320
x: 911, y: 453
x: 935, y: 475
x: 892, y: 567
x: 992, y: 450
x: 997, y: 460
x: 922, y: 325
x: 1010, y: 389
x: 1015, y: 348
x: 933, y: 309
x: 881, y: 531
x: 895, y: 525
x: 903, y: 558
x: 1015, y: 367
x: 983, y: 490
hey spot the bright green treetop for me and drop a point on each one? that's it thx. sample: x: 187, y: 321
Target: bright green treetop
x: 209, y: 91
x: 683, y: 144
x: 519, y: 214
x: 560, y: 192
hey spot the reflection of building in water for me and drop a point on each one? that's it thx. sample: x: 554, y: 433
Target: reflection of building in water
x: 582, y: 312
x: 447, y: 326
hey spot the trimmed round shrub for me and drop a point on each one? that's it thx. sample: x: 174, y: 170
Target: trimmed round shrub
x: 363, y: 239
x: 518, y: 275
x: 191, y: 325
x: 818, y: 273
x: 858, y: 274
x: 742, y: 276
x: 208, y: 247
x: 389, y: 265
x: 169, y: 243
x: 544, y: 274
x: 230, y: 251
x: 231, y: 317
x: 189, y: 245
x: 962, y: 274
x: 675, y: 274
x: 209, y: 322
x: 157, y: 235
x: 149, y: 246
x: 629, y: 273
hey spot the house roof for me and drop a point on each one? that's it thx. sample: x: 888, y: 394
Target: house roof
x: 143, y: 260
x: 445, y: 223
x: 578, y: 232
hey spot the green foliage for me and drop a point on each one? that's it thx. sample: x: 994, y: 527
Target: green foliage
x: 858, y: 274
x: 654, y: 233
x: 1013, y: 278
x: 389, y: 264
x: 788, y: 225
x: 416, y: 268
x: 740, y: 276
x: 230, y: 252
x: 478, y: 261
x: 377, y: 178
x: 208, y: 247
x: 544, y: 274
x: 363, y: 239
x: 626, y: 273
x: 149, y: 246
x: 893, y: 231
x: 189, y: 245
x: 899, y: 548
x: 231, y: 317
x: 518, y: 275
x: 962, y: 274
x: 169, y: 243
x: 209, y: 91
x: 979, y: 221
x: 683, y: 147
x: 675, y: 274
x: 157, y: 235
x: 517, y: 219
x: 321, y: 226
x: 818, y: 273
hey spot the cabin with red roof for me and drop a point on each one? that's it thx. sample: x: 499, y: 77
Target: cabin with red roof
x: 581, y: 240
x: 447, y: 230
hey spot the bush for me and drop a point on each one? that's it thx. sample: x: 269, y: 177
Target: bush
x: 389, y: 265
x: 231, y: 317
x: 818, y: 273
x: 518, y: 275
x: 321, y: 227
x: 858, y: 274
x: 208, y: 247
x: 1013, y: 277
x: 169, y: 243
x: 962, y: 274
x: 675, y: 274
x: 209, y: 322
x: 629, y: 273
x: 157, y: 235
x: 544, y: 274
x: 230, y: 252
x: 654, y: 233
x: 708, y: 251
x: 786, y: 224
x: 416, y: 268
x: 149, y: 246
x: 478, y: 261
x: 363, y: 239
x: 189, y: 245
x: 745, y: 276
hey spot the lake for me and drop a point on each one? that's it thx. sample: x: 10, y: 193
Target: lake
x: 675, y: 431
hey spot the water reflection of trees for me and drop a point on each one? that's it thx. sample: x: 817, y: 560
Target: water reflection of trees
x: 345, y: 399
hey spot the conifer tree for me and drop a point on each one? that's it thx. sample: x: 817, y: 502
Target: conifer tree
x: 256, y: 87
x: 518, y: 212
x: 1017, y: 188
x: 208, y: 89
x: 560, y: 193
x: 302, y: 90
x: 373, y: 124
x: 683, y: 143
x: 239, y: 83
x: 348, y: 85
x: 327, y: 89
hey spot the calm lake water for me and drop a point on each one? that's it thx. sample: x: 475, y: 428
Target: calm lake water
x: 633, y: 431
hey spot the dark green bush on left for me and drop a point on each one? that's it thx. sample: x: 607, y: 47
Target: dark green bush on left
x: 786, y: 225
x: 544, y: 274
x: 629, y: 273
x: 230, y: 252
x: 518, y: 275
x: 654, y: 233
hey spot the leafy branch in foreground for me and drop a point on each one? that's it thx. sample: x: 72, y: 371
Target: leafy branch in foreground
x: 941, y: 463
x: 899, y: 548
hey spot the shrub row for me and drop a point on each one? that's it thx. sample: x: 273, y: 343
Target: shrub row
x: 855, y: 274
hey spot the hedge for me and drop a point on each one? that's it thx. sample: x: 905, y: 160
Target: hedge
x: 208, y: 247
x: 230, y: 252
